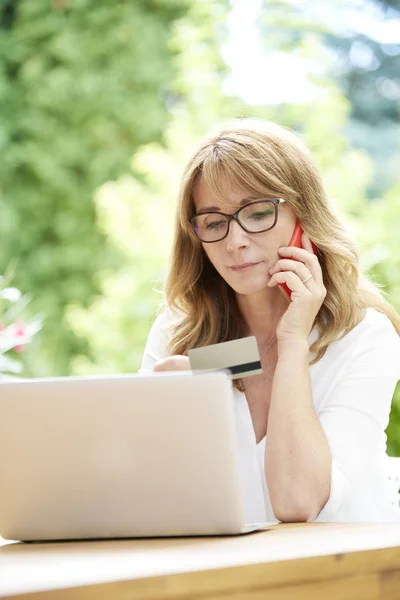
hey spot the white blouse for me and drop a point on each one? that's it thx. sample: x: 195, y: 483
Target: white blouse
x: 352, y: 389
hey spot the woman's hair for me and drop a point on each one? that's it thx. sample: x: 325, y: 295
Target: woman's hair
x: 266, y: 160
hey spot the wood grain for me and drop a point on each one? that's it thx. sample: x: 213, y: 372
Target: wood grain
x: 321, y: 561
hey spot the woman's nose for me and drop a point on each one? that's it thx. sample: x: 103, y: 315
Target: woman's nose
x: 237, y: 237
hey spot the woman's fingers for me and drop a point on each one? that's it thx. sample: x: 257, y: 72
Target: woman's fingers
x: 173, y: 363
x: 292, y: 281
x: 299, y: 269
x: 294, y: 266
x: 302, y: 256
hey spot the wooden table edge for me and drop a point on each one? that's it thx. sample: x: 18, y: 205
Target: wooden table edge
x: 379, y: 569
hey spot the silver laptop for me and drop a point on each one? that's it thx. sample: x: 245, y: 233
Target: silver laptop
x: 120, y: 456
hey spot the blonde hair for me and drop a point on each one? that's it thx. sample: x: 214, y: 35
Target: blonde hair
x: 266, y: 160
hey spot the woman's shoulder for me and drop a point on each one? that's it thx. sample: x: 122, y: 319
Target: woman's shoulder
x: 375, y: 326
x: 167, y: 318
x: 374, y: 342
x: 162, y: 327
x: 158, y: 339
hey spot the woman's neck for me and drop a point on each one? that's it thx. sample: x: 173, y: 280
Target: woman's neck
x: 262, y: 312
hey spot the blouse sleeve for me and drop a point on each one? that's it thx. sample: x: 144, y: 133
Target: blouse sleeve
x: 356, y: 414
x: 156, y: 345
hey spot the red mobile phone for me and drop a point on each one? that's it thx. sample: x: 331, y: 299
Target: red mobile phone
x: 295, y: 240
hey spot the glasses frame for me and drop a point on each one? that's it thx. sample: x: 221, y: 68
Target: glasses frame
x: 235, y: 217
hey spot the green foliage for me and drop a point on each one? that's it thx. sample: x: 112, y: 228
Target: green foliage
x: 15, y: 332
x: 378, y: 234
x: 364, y: 65
x: 136, y: 212
x: 135, y: 215
x: 82, y: 85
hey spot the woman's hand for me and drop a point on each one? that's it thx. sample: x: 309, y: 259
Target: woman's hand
x: 173, y: 363
x: 296, y: 265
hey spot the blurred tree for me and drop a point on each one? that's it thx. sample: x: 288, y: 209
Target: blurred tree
x: 136, y: 211
x: 364, y: 59
x: 378, y: 227
x: 367, y: 67
x: 82, y: 84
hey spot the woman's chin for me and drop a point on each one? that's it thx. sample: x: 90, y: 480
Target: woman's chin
x: 249, y: 288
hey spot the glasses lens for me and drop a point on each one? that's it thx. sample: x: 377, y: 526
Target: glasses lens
x: 259, y: 216
x: 210, y: 227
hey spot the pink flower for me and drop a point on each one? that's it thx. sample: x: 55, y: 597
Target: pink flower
x: 20, y: 331
x: 2, y: 326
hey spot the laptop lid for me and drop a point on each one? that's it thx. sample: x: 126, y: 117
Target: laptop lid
x: 119, y: 456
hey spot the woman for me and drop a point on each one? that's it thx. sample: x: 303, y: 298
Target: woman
x: 330, y: 352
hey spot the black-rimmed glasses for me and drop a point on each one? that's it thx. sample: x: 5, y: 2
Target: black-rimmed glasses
x: 255, y: 217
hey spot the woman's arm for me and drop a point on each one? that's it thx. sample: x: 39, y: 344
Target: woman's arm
x: 351, y: 423
x: 297, y: 455
x: 155, y: 356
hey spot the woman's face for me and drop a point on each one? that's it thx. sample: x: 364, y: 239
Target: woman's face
x: 244, y: 259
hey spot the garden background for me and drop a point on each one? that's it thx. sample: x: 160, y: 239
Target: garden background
x: 102, y: 102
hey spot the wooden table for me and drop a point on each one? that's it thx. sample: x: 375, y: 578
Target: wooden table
x: 313, y: 561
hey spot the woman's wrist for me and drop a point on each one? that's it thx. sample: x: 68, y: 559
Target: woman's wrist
x: 292, y: 348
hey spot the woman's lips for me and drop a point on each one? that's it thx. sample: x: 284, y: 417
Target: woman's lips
x: 244, y: 266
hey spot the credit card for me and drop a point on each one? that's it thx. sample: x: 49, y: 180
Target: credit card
x: 240, y: 358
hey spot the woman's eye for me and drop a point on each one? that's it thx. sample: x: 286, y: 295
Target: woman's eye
x: 261, y: 215
x: 215, y: 225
